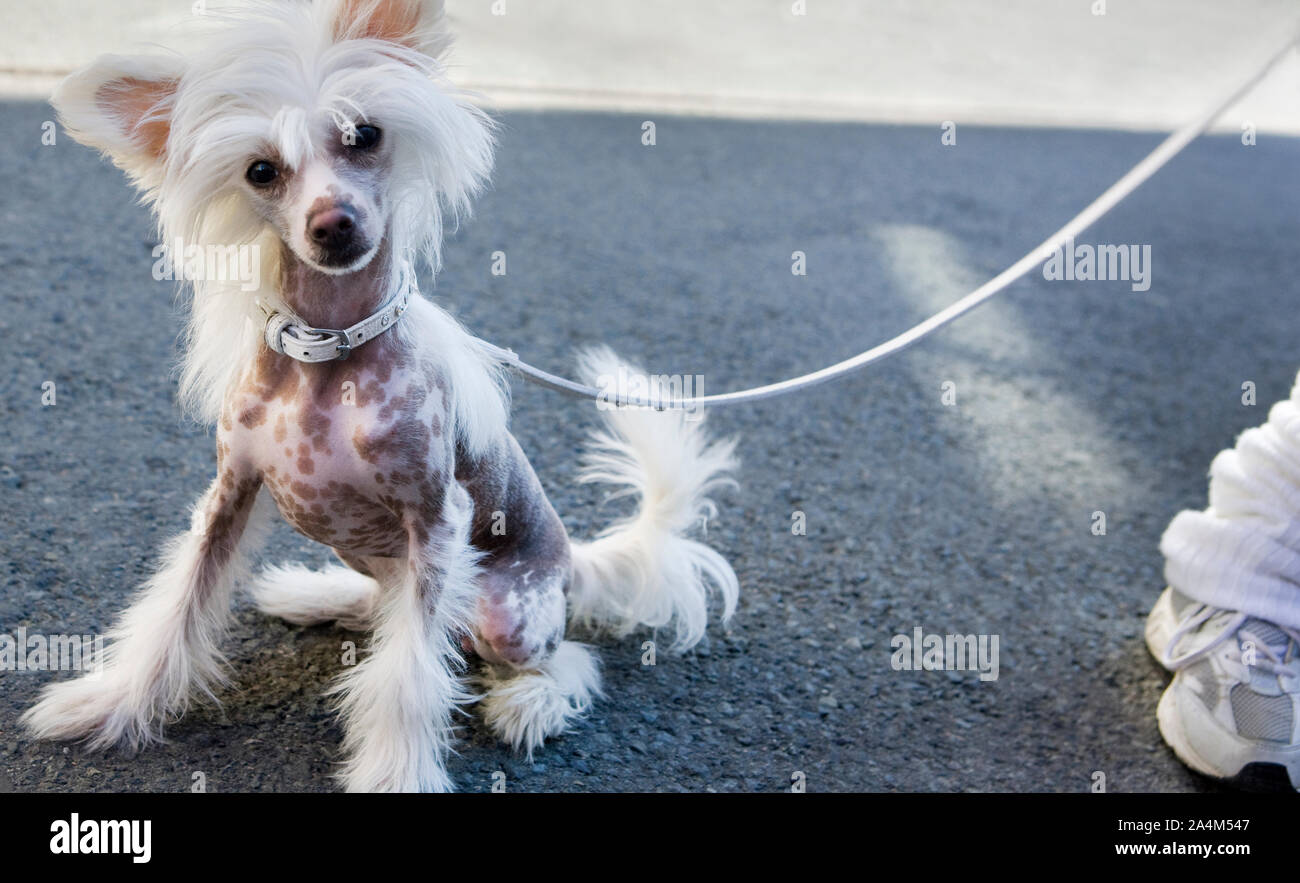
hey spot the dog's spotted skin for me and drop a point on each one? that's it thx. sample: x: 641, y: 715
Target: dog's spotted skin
x: 357, y: 453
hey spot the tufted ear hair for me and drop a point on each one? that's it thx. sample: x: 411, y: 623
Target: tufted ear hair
x: 414, y: 24
x: 123, y: 106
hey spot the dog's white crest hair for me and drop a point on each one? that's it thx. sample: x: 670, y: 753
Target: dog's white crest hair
x: 259, y: 74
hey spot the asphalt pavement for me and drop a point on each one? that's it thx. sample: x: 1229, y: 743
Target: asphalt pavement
x: 967, y: 516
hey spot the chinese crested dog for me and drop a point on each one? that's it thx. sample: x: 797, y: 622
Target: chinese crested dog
x: 325, y: 134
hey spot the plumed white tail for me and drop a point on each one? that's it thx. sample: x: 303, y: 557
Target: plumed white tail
x: 644, y: 569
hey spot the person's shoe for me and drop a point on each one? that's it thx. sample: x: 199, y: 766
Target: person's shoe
x: 1163, y: 620
x: 1232, y: 709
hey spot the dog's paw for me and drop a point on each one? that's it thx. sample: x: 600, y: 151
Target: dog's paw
x: 92, y: 708
x: 526, y: 708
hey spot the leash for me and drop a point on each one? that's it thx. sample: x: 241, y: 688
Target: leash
x: 1116, y: 193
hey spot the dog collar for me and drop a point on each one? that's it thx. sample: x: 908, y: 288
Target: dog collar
x: 285, y: 335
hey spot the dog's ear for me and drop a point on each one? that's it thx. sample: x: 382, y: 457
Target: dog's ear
x: 122, y: 105
x: 415, y: 24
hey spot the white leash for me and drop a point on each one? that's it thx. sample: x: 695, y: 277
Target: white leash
x: 1116, y: 193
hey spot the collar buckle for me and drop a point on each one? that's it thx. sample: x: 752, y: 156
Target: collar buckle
x: 344, y: 347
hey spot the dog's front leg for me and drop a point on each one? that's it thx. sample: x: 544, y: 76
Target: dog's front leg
x: 164, y: 645
x: 397, y: 704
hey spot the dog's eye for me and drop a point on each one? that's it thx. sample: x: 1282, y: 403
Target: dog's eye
x: 261, y: 173
x: 364, y: 138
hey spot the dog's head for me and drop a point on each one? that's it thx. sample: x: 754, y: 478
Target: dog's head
x: 327, y: 122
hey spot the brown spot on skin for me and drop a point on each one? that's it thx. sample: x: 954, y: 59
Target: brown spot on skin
x: 252, y: 417
x: 281, y: 429
x: 225, y: 522
x: 428, y: 509
x: 275, y: 376
x: 405, y: 441
x: 306, y: 465
x: 365, y: 447
x: 371, y: 394
x: 304, y: 490
x: 313, y: 422
x: 396, y: 404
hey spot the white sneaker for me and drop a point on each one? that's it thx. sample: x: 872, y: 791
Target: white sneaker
x: 1232, y: 709
x: 1163, y: 621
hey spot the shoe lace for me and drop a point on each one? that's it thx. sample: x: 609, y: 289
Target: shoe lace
x: 1269, y: 658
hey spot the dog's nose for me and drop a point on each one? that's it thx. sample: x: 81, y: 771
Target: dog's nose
x: 332, y: 228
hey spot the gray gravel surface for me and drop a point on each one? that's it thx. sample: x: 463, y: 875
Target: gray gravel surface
x: 1072, y: 397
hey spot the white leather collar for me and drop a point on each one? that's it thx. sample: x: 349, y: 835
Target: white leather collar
x: 284, y: 334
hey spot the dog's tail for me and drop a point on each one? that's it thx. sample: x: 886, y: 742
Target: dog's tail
x: 644, y: 569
